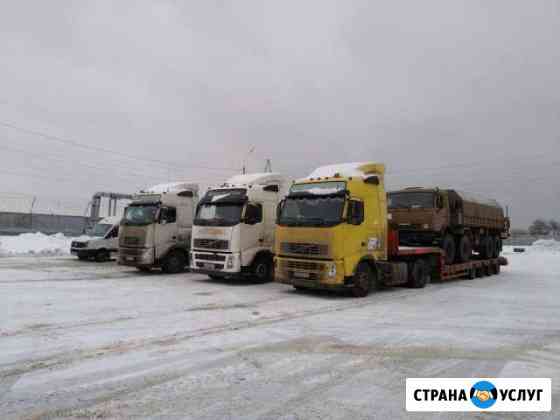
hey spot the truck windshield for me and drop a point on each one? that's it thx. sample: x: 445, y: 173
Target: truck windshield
x: 312, y: 211
x: 100, y: 229
x: 138, y: 215
x: 218, y: 214
x: 411, y: 200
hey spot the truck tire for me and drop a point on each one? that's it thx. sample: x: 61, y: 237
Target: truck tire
x: 486, y: 247
x: 262, y: 269
x: 448, y: 245
x: 102, y: 255
x: 417, y: 274
x: 363, y: 280
x: 174, y: 262
x: 464, y: 249
x: 497, y: 247
x: 144, y: 269
x: 83, y: 257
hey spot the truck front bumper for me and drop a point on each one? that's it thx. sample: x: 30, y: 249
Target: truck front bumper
x: 216, y: 263
x: 136, y: 257
x: 309, y: 273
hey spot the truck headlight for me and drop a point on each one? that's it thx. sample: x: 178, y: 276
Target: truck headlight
x: 229, y: 261
x: 331, y: 272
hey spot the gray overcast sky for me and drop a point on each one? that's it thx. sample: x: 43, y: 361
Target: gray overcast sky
x: 445, y: 92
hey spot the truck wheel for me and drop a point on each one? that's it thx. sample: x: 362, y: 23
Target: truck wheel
x: 363, y: 280
x: 102, y: 255
x: 486, y: 247
x: 83, y: 257
x: 417, y: 274
x: 497, y: 247
x: 448, y: 246
x: 464, y: 249
x: 144, y: 269
x: 174, y: 263
x: 262, y: 269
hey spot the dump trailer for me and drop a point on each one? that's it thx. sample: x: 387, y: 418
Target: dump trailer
x: 156, y: 228
x: 456, y: 221
x: 233, y: 232
x: 333, y: 233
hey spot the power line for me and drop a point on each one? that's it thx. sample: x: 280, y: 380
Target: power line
x: 74, y: 143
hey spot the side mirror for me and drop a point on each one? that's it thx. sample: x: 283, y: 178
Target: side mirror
x: 279, y: 209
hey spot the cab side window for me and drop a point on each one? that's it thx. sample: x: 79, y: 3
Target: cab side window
x: 113, y: 233
x: 168, y: 214
x: 253, y: 214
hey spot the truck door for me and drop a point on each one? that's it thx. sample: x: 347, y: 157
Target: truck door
x: 252, y: 232
x: 166, y: 230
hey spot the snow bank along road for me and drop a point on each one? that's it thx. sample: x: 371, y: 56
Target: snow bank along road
x: 87, y: 340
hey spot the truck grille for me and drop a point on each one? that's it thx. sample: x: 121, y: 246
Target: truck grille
x: 211, y: 243
x: 131, y: 240
x: 304, y: 248
x: 210, y: 257
x: 303, y: 265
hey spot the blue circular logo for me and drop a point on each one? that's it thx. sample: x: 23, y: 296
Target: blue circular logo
x: 484, y: 394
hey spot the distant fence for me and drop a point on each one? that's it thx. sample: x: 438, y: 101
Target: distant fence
x: 14, y: 223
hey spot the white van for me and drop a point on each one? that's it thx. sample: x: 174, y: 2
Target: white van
x: 103, y: 242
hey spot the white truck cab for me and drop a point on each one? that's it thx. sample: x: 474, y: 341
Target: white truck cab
x: 156, y: 228
x: 104, y: 241
x: 233, y: 230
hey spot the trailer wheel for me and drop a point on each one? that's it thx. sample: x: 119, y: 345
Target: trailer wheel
x: 487, y: 270
x: 417, y: 275
x: 479, y: 271
x: 363, y: 280
x: 464, y: 249
x: 486, y: 247
x: 174, y: 262
x: 497, y: 247
x: 472, y: 273
x: 144, y: 269
x: 448, y: 246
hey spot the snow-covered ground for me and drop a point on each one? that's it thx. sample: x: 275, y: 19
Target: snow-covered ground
x: 89, y: 340
x: 37, y: 244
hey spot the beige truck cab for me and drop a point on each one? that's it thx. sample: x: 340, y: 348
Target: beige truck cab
x: 156, y: 228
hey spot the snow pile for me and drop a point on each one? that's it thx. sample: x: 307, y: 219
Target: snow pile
x: 35, y: 244
x: 356, y: 169
x: 546, y: 245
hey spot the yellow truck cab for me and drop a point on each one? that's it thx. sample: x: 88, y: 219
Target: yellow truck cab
x: 332, y: 229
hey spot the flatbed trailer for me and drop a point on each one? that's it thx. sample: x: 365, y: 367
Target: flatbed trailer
x: 439, y: 270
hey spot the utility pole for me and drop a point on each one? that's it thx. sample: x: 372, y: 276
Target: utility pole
x: 251, y: 150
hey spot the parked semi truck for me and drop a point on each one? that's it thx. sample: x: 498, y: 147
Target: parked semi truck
x: 156, y: 228
x: 333, y: 233
x: 456, y: 221
x: 103, y: 241
x: 233, y: 231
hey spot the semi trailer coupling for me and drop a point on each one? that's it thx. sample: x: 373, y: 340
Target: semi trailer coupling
x: 233, y: 232
x: 156, y: 228
x: 333, y: 233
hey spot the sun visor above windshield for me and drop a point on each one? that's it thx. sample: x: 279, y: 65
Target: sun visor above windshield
x: 225, y: 196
